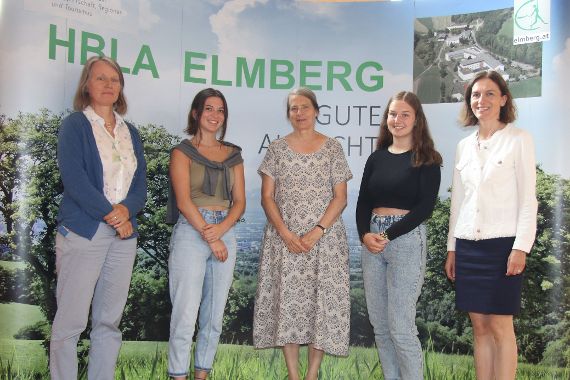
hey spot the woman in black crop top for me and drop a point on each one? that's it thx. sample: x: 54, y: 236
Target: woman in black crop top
x: 397, y: 194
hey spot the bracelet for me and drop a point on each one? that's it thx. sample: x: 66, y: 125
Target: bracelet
x: 383, y: 235
x: 322, y: 228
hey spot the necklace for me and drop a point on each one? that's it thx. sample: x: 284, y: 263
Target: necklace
x: 488, y: 138
x: 109, y: 125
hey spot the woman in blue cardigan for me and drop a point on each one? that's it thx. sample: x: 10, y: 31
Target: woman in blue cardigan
x: 102, y: 166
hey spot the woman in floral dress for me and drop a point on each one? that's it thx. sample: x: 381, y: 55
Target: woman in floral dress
x: 303, y: 284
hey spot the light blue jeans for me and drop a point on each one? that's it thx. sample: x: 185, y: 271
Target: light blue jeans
x: 392, y: 283
x: 197, y: 281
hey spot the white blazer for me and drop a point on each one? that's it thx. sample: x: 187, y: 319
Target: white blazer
x: 497, y: 198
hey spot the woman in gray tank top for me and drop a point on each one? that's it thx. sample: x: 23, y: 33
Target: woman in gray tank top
x: 203, y: 244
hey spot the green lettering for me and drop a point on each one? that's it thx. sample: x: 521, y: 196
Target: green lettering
x: 85, y: 47
x: 340, y: 76
x: 125, y: 70
x: 189, y: 66
x: 69, y: 44
x: 304, y: 74
x: 377, y: 80
x: 286, y: 73
x: 243, y: 72
x: 215, y: 79
x: 150, y: 65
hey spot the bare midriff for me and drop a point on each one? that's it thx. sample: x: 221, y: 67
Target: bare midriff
x: 389, y: 211
x: 214, y: 208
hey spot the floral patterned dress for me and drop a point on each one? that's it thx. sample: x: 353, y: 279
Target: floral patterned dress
x: 304, y: 298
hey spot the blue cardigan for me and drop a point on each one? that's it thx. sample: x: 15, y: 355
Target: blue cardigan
x: 84, y: 204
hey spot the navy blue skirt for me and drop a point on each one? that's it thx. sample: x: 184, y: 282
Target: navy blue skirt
x: 480, y: 282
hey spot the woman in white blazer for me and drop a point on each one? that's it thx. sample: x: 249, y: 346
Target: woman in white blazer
x: 492, y: 224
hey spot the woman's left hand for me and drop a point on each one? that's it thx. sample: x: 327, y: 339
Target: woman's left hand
x: 118, y: 216
x: 212, y: 232
x: 311, y: 238
x: 125, y: 230
x: 219, y: 250
x: 516, y: 262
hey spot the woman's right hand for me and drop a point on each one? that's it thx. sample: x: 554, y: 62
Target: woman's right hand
x: 450, y: 265
x: 293, y: 242
x: 374, y: 243
x: 219, y: 250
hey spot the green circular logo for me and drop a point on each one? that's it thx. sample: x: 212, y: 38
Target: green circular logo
x: 527, y: 16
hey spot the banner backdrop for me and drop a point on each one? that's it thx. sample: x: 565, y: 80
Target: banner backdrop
x: 355, y: 55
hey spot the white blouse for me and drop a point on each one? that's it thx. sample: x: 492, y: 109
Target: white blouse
x: 117, y: 155
x: 494, y: 191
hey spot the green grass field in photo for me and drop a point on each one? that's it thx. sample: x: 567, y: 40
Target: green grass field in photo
x: 25, y: 360
x: 14, y: 316
x: 527, y: 88
x: 428, y: 90
x: 12, y: 265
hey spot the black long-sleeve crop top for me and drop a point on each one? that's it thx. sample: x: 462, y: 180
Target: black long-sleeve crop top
x: 390, y: 180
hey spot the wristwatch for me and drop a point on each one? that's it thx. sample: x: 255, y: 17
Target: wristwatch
x: 322, y: 228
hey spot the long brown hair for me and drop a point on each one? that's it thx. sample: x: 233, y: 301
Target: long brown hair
x: 508, y: 112
x: 423, y: 149
x: 82, y: 98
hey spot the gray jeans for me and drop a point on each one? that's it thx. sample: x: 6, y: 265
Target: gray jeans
x: 93, y: 272
x: 392, y: 283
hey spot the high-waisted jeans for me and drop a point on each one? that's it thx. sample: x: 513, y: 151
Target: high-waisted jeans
x: 197, y: 281
x: 392, y: 283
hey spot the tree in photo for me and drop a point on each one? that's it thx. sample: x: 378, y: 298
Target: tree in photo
x: 154, y: 232
x: 10, y: 155
x: 31, y: 191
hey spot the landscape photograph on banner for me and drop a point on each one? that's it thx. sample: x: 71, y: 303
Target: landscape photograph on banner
x: 450, y: 50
